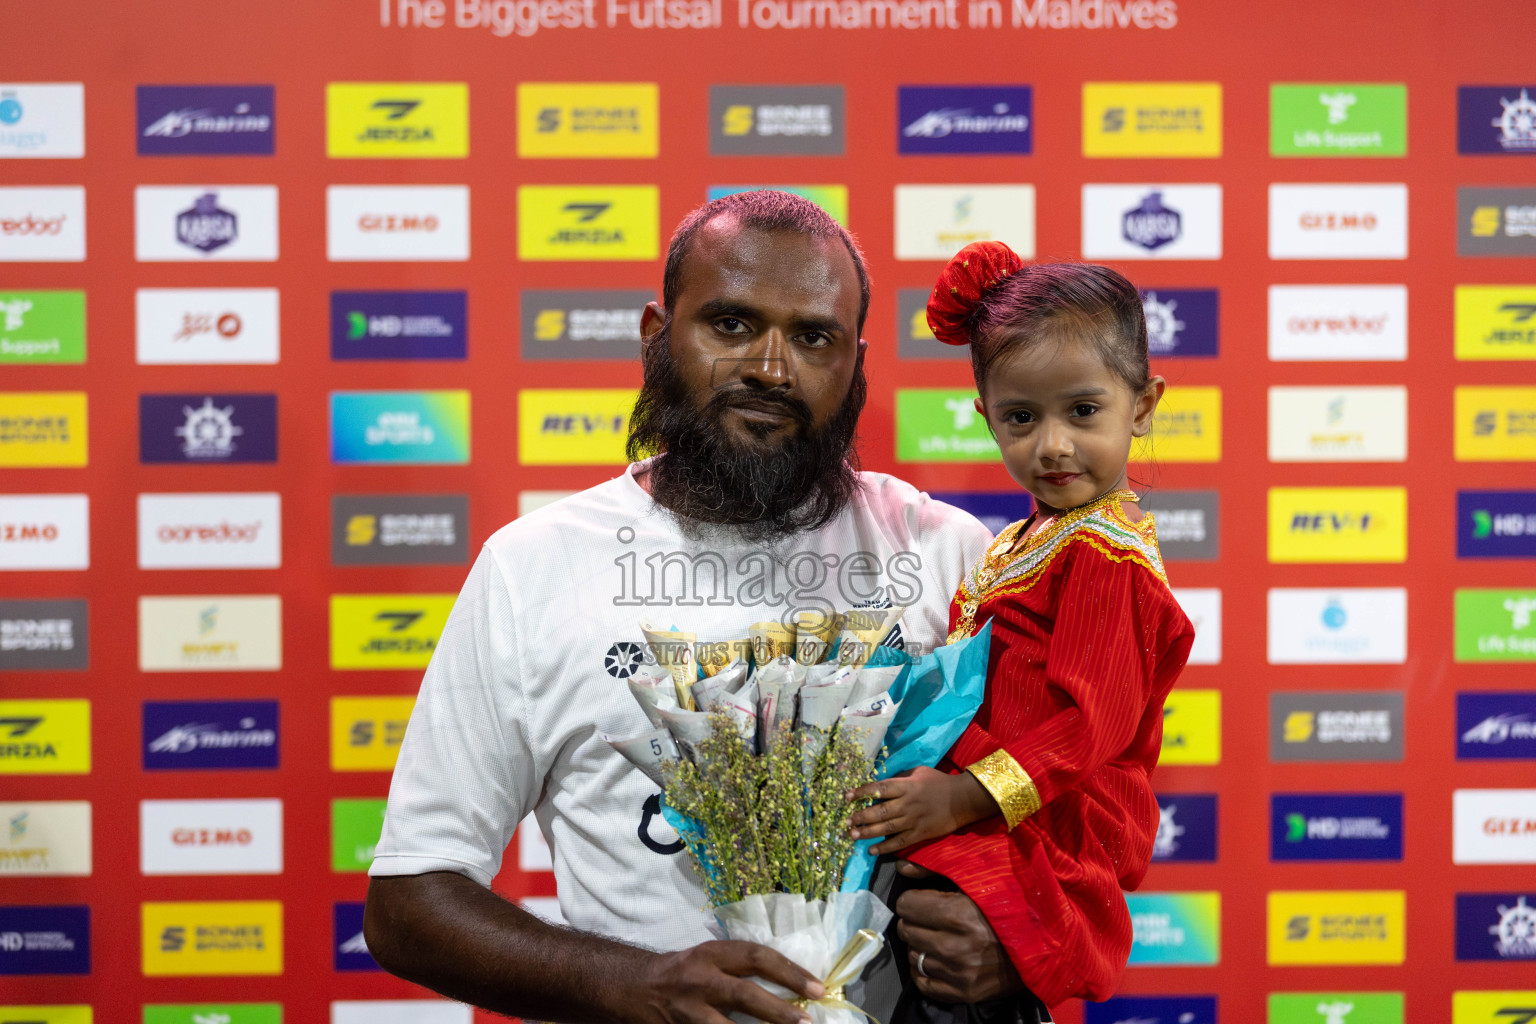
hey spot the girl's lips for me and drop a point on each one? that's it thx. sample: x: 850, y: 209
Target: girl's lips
x: 1059, y: 479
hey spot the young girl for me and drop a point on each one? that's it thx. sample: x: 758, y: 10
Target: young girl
x: 1045, y: 810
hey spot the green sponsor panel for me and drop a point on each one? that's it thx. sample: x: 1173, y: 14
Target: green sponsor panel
x: 42, y: 327
x: 941, y: 425
x: 1325, y: 1007
x: 1338, y: 120
x: 213, y: 1013
x: 355, y: 828
x: 1496, y: 625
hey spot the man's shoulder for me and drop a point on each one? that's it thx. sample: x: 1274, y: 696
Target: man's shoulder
x: 925, y: 517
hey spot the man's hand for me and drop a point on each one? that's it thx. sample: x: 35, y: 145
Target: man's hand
x: 920, y: 804
x: 703, y: 984
x: 963, y: 961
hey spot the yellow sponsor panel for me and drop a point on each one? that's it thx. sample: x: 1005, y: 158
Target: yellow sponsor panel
x: 1495, y: 424
x: 1185, y: 428
x: 1505, y: 1007
x: 366, y: 732
x: 573, y: 427
x: 42, y: 428
x: 184, y: 939
x: 46, y: 1014
x: 587, y: 119
x: 1337, y: 927
x: 1151, y: 119
x: 1338, y: 524
x: 1495, y: 321
x: 45, y: 737
x: 397, y: 119
x: 386, y: 630
x: 588, y: 222
x: 1192, y: 727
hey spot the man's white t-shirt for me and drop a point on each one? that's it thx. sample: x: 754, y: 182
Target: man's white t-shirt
x: 529, y: 674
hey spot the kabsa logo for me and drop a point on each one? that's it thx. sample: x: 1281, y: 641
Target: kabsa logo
x: 1499, y: 119
x: 1353, y: 323
x: 995, y: 509
x: 1495, y: 321
x: 1188, y: 523
x: 399, y: 325
x: 1496, y: 524
x: 1175, y: 928
x: 1332, y: 826
x: 980, y: 119
x: 1152, y: 1010
x: 366, y: 732
x: 1495, y: 625
x: 1339, y: 626
x: 1203, y: 607
x: 397, y: 119
x: 356, y: 826
x: 1335, y: 726
x: 1338, y: 524
x: 211, y: 939
x: 1186, y: 828
x: 1338, y: 120
x: 1145, y: 222
x: 1151, y: 119
x: 605, y: 120
x: 587, y: 222
x: 1496, y: 726
x: 42, y: 120
x: 45, y: 531
x: 411, y: 223
x: 44, y: 635
x: 1496, y: 221
x: 45, y: 737
x: 43, y: 429
x: 206, y: 120
x: 412, y: 427
x: 386, y: 630
x: 1361, y: 424
x: 211, y: 837
x: 776, y: 120
x: 184, y: 326
x: 941, y: 425
x: 933, y: 222
x: 399, y: 529
x: 45, y: 939
x: 351, y: 949
x: 1490, y: 1007
x: 42, y: 225
x: 581, y: 324
x: 1191, y: 727
x: 560, y: 427
x: 1496, y: 925
x: 210, y: 633
x: 1338, y: 222
x: 914, y: 338
x: 42, y: 327
x: 46, y: 838
x: 1185, y: 428
x: 1493, y: 826
x: 1335, y: 1008
x: 1495, y: 424
x: 210, y: 734
x: 207, y: 429
x: 210, y: 531
x: 1181, y: 322
x: 224, y: 222
x: 1339, y: 927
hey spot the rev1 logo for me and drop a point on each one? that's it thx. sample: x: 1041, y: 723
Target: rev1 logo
x: 42, y: 120
x: 1152, y: 1010
x: 1496, y: 726
x: 933, y: 222
x: 582, y: 324
x: 1335, y: 826
x: 1188, y: 523
x: 210, y: 734
x: 45, y: 940
x: 43, y: 635
x: 1144, y: 222
x: 1496, y: 524
x: 1497, y: 119
x: 347, y: 940
x: 1338, y: 524
x: 399, y: 529
x: 1186, y: 828
x: 206, y: 120
x: 207, y: 429
x: 776, y: 120
x: 1493, y: 826
x: 1181, y: 322
x: 1496, y: 221
x: 399, y: 325
x: 1496, y: 925
x: 1335, y: 726
x: 965, y: 119
x: 570, y: 427
x: 995, y: 509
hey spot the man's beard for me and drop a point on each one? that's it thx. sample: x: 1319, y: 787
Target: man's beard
x: 767, y: 487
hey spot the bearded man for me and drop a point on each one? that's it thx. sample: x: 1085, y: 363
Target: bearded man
x: 751, y: 508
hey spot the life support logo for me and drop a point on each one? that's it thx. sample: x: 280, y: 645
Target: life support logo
x: 40, y: 429
x: 1191, y: 727
x: 568, y: 427
x: 42, y: 327
x: 366, y: 732
x: 386, y: 630
x: 1350, y: 119
x: 1341, y: 927
x: 588, y: 222
x: 1185, y: 428
x: 941, y: 425
x: 212, y: 938
x: 356, y: 826
x: 1335, y: 1008
x: 603, y: 120
x: 1151, y: 119
x: 1338, y: 524
x: 397, y: 119
x: 45, y: 737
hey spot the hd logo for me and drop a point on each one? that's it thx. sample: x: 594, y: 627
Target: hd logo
x: 1496, y: 524
x: 561, y: 427
x: 196, y: 939
x: 397, y: 119
x: 1495, y: 321
x: 1338, y: 524
x: 587, y: 222
x: 386, y: 630
x: 366, y: 732
x: 1495, y: 424
x: 587, y: 119
x: 1361, y: 927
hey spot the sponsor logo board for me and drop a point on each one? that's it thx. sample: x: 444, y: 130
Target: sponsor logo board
x: 1338, y: 222
x: 206, y: 120
x: 1338, y: 524
x: 1493, y: 826
x: 1505, y: 1007
x: 347, y: 942
x: 211, y: 837
x: 412, y: 427
x: 210, y: 734
x: 1497, y: 119
x: 210, y: 531
x: 42, y: 327
x: 585, y: 324
x: 1496, y: 524
x: 995, y: 509
x: 914, y: 338
x: 183, y: 326
x: 42, y: 225
x: 45, y: 737
x: 45, y: 838
x: 399, y: 325
x: 588, y: 222
x: 1496, y: 926
x: 941, y: 425
x: 213, y: 1013
x: 1188, y: 523
x: 42, y: 120
x: 211, y: 633
x: 1495, y: 424
x: 42, y: 429
x: 776, y: 120
x: 933, y: 222
x: 399, y: 529
x: 400, y: 1011
x: 1360, y: 424
x: 1152, y: 222
x: 1192, y: 727
x: 1151, y: 119
x: 1338, y: 120
x: 410, y: 223
x: 1495, y: 625
x: 1336, y: 726
x: 371, y: 631
x: 1203, y: 607
x: 1496, y: 726
x: 1152, y: 1010
x: 1185, y: 428
x: 532, y: 501
x: 48, y: 1014
x: 45, y: 939
x: 366, y: 732
x: 212, y: 938
x: 48, y: 635
x: 355, y: 829
x: 1181, y: 322
x: 971, y: 119
x: 831, y: 198
x: 203, y: 429
x: 1175, y: 928
x: 1495, y: 321
x: 397, y: 120
x: 1335, y: 1008
x: 1336, y: 927
x: 214, y: 222
x: 45, y: 531
x: 603, y: 120
x: 1186, y: 828
x: 1335, y: 826
x: 1338, y: 626
x: 1495, y: 221
x: 1338, y: 323
x: 573, y: 427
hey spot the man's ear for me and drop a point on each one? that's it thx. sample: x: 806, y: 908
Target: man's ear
x: 1146, y: 405
x: 653, y: 319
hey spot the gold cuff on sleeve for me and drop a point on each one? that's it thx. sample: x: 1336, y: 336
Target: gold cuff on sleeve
x: 1009, y: 785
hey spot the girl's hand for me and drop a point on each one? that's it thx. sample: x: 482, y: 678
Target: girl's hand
x: 921, y: 804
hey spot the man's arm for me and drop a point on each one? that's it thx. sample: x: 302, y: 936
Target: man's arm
x: 454, y: 936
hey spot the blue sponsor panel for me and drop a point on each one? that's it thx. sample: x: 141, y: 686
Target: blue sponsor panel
x: 1186, y: 828
x: 1496, y: 925
x: 399, y: 325
x: 45, y: 940
x: 206, y: 120
x: 1498, y: 119
x: 206, y: 429
x: 955, y: 119
x: 1181, y: 322
x: 995, y: 509
x: 1336, y: 826
x: 1496, y: 726
x: 1152, y: 1010
x: 210, y: 734
x: 1496, y: 524
x: 347, y: 939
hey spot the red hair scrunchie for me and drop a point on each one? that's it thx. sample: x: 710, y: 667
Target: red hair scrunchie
x: 970, y: 274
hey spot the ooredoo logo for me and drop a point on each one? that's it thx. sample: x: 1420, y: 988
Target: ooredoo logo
x: 1338, y: 322
x: 210, y: 531
x: 40, y: 225
x: 402, y: 222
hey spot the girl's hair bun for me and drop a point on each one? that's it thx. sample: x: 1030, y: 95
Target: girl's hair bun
x: 971, y: 273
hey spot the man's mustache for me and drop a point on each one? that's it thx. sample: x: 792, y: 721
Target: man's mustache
x: 738, y: 397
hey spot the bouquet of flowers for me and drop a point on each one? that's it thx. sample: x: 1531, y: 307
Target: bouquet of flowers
x: 756, y: 745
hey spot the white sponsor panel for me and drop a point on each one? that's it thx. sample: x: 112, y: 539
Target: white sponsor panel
x: 1364, y: 424
x: 42, y: 120
x: 528, y: 501
x: 197, y: 223
x: 185, y: 326
x: 399, y: 222
x: 1339, y: 626
x: 210, y: 531
x: 1338, y: 322
x: 211, y: 633
x: 1203, y: 606
x: 1338, y: 222
x: 42, y: 225
x: 45, y: 837
x: 933, y: 222
x: 400, y: 1011
x: 1152, y: 222
x: 211, y: 837
x: 45, y: 531
x: 1493, y: 826
x: 533, y: 853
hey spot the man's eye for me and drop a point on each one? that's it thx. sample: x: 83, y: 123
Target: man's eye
x: 816, y: 340
x: 731, y: 325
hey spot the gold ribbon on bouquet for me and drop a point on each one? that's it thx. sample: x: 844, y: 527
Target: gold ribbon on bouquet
x: 844, y: 971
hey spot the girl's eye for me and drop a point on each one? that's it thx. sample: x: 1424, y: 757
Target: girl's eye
x: 1084, y: 409
x: 1020, y: 416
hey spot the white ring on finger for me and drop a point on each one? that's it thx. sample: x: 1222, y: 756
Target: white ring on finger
x: 919, y: 967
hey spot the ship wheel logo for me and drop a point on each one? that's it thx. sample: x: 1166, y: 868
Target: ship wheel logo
x: 1516, y: 930
x: 623, y: 659
x: 1517, y: 122
x: 1163, y: 326
x: 209, y: 432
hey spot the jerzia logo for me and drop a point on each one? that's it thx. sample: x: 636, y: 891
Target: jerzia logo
x: 587, y: 222
x: 397, y: 119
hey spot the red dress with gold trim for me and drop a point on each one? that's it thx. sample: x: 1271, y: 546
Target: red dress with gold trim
x: 1087, y: 640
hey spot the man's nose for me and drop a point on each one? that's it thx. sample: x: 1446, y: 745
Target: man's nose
x: 769, y: 363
